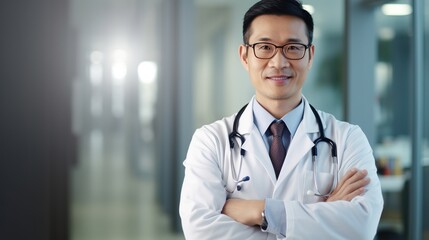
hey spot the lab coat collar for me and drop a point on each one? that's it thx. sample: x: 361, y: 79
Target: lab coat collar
x: 300, y: 145
x: 309, y: 119
x: 247, y: 123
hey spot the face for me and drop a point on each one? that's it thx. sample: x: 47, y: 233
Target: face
x: 277, y: 80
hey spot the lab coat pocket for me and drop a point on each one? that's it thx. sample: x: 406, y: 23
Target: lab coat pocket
x: 324, y: 184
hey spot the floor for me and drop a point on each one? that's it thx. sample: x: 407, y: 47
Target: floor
x: 114, y: 198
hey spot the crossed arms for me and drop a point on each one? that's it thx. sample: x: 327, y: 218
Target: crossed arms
x: 248, y: 212
x: 351, y: 212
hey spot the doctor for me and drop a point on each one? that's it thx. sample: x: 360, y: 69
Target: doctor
x: 265, y: 185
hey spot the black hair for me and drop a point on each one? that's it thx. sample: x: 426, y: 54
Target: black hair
x: 277, y: 7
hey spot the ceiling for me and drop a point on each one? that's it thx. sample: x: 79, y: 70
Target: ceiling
x: 330, y: 17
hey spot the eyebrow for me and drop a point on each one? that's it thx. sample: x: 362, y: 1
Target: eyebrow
x: 289, y: 40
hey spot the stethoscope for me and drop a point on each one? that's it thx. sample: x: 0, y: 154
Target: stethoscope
x: 334, y: 167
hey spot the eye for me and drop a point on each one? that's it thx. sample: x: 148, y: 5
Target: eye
x: 295, y: 47
x: 265, y: 47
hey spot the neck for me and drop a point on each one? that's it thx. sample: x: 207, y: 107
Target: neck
x: 280, y: 107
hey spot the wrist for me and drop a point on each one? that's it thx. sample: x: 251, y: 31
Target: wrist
x: 258, y: 208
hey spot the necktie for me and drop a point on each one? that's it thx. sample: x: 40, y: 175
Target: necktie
x: 277, y: 150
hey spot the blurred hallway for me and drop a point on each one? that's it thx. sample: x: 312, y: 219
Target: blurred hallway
x: 82, y: 81
x: 113, y: 198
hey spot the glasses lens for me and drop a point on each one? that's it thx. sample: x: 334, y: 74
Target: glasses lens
x: 294, y: 50
x: 264, y: 50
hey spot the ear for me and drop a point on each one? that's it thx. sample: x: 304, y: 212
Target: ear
x: 242, y: 52
x: 311, y: 50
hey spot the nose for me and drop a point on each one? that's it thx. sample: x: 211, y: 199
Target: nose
x: 279, y: 60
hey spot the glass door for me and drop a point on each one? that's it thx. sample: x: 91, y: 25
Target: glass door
x: 394, y: 93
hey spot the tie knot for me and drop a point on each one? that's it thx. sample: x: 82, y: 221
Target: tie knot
x: 277, y: 128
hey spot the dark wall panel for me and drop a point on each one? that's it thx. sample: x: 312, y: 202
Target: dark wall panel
x: 36, y: 144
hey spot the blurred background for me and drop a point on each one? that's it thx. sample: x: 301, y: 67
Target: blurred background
x: 100, y: 98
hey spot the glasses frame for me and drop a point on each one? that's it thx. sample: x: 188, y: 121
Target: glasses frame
x: 277, y: 47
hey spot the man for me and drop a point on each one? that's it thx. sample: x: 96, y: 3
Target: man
x: 262, y: 182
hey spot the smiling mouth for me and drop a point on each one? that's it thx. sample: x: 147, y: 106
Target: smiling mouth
x: 279, y: 78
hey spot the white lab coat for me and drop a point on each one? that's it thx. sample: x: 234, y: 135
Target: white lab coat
x: 208, y: 170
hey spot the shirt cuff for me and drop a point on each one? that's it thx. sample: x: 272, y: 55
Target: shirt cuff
x: 275, y: 214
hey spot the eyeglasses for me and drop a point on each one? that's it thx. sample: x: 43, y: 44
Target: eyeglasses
x: 292, y: 51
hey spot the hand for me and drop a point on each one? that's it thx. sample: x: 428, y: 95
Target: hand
x: 247, y: 212
x: 351, y: 185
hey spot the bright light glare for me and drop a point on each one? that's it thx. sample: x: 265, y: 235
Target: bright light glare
x: 119, y: 67
x: 309, y: 8
x: 396, y: 9
x: 119, y: 70
x: 147, y: 71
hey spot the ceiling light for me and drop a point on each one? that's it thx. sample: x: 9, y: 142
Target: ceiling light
x: 396, y: 9
x: 147, y: 71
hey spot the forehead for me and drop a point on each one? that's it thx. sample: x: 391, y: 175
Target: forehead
x: 278, y: 28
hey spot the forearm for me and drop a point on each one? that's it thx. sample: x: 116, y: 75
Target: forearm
x: 205, y: 224
x: 357, y: 219
x: 348, y: 212
x: 247, y: 212
x: 334, y: 220
x: 200, y: 212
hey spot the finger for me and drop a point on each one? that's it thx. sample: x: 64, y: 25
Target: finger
x: 343, y: 179
x: 358, y: 184
x: 353, y: 194
x: 349, y: 191
x: 346, y: 177
x: 353, y: 182
x: 357, y: 176
x: 350, y: 173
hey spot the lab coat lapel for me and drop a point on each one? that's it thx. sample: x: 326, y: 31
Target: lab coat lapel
x: 256, y: 151
x: 301, y: 143
x: 254, y: 145
x: 299, y: 147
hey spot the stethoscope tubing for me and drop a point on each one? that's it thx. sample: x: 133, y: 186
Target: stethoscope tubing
x: 235, y: 134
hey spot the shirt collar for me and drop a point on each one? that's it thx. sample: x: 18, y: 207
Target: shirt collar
x: 263, y: 119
